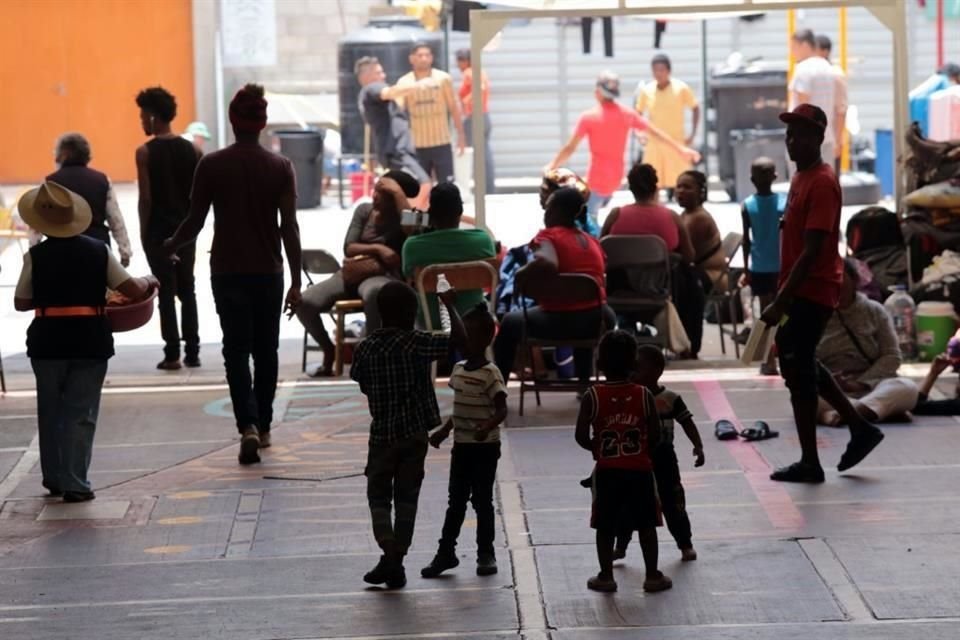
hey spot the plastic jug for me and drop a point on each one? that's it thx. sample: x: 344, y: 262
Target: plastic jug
x: 902, y: 309
x: 443, y: 285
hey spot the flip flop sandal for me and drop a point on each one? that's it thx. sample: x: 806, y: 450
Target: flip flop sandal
x: 725, y: 430
x: 759, y: 431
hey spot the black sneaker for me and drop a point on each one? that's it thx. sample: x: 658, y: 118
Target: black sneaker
x: 859, y: 447
x: 619, y: 554
x: 486, y: 564
x: 397, y: 577
x: 380, y: 573
x: 52, y: 491
x: 249, y: 446
x: 440, y: 563
x: 602, y: 583
x: 799, y: 472
x: 78, y: 496
x: 191, y: 362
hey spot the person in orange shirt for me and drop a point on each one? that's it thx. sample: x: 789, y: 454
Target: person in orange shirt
x: 466, y: 101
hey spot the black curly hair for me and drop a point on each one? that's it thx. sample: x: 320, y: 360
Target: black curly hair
x: 617, y: 354
x: 158, y: 102
x: 642, y: 180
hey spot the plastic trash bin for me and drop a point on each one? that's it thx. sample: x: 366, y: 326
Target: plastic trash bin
x: 304, y: 147
x: 749, y: 144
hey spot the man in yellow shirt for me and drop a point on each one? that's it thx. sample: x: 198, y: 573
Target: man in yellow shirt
x: 431, y: 107
x: 665, y: 101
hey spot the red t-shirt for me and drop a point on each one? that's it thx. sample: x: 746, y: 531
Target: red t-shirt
x: 814, y: 205
x: 606, y: 128
x: 620, y: 413
x: 647, y: 219
x: 577, y: 252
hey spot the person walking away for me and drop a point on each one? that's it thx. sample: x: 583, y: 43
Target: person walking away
x: 73, y: 157
x: 392, y: 367
x: 666, y: 470
x: 247, y: 185
x: 824, y: 47
x: 466, y: 100
x: 606, y: 127
x: 761, y: 214
x: 665, y: 100
x: 165, y: 166
x: 431, y: 106
x: 811, y: 273
x: 389, y: 123
x: 860, y: 347
x: 479, y: 407
x: 64, y: 281
x: 815, y: 82
x: 618, y: 423
x: 447, y: 243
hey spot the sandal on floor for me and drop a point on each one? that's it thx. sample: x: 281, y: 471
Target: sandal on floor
x: 725, y: 430
x: 759, y: 431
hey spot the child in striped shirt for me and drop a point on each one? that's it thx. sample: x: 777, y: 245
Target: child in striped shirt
x: 479, y: 406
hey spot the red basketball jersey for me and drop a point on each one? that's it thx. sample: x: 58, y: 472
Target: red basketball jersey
x: 619, y: 424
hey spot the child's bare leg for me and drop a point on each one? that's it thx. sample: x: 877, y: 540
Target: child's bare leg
x: 605, y: 540
x: 770, y: 366
x: 651, y: 551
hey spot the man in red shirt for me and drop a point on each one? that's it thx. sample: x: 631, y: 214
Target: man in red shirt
x: 811, y: 272
x: 466, y: 105
x: 606, y: 127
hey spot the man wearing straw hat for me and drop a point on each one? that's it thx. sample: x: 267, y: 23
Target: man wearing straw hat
x: 247, y: 185
x: 64, y: 280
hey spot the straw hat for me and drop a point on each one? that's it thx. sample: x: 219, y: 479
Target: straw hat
x: 55, y: 211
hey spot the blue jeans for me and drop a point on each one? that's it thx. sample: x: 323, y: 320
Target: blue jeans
x: 68, y: 403
x: 595, y: 202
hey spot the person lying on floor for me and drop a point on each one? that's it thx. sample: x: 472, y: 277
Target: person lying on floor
x: 860, y: 347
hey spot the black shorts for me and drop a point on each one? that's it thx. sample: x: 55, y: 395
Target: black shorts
x: 764, y: 284
x: 624, y: 500
x: 405, y: 161
x: 797, y: 341
x: 437, y: 161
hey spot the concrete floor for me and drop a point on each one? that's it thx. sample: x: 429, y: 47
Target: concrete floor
x: 183, y: 543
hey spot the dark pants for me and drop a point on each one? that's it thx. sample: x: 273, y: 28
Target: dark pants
x: 249, y: 307
x: 491, y: 186
x: 949, y: 407
x: 797, y: 342
x: 551, y: 325
x: 690, y: 300
x: 437, y: 162
x: 394, y: 475
x: 177, y: 281
x: 473, y: 472
x: 673, y: 499
x: 68, y: 404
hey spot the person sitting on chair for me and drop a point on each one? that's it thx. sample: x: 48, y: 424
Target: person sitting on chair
x: 446, y: 243
x: 375, y: 231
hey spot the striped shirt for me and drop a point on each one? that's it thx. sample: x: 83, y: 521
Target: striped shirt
x: 474, y: 392
x: 428, y: 110
x: 670, y: 408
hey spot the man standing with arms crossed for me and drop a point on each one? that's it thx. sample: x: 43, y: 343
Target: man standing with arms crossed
x: 247, y: 185
x: 665, y: 101
x: 430, y: 107
x: 606, y: 127
x: 389, y: 123
x: 811, y: 273
x: 814, y: 82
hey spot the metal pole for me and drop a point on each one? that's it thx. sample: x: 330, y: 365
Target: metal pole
x: 218, y: 89
x: 845, y: 141
x: 705, y: 83
x: 901, y: 89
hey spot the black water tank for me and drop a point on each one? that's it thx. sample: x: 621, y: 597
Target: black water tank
x: 389, y: 39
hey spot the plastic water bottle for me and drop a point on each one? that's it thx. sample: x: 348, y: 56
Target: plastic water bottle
x: 902, y: 309
x: 443, y: 285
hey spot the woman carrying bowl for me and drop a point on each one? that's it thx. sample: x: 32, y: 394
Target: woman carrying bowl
x: 64, y: 281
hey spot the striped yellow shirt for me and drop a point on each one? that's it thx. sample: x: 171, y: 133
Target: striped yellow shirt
x: 427, y: 107
x: 473, y: 395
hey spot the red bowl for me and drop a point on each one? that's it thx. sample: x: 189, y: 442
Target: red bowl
x: 128, y: 317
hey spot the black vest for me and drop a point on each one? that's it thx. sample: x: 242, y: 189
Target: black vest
x: 69, y: 272
x: 92, y: 186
